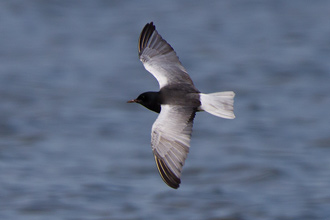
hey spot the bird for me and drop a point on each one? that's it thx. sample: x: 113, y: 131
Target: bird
x: 177, y: 102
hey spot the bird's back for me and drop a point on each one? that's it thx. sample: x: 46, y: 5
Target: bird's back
x: 180, y: 94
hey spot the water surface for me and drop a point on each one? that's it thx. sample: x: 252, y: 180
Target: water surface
x: 71, y: 148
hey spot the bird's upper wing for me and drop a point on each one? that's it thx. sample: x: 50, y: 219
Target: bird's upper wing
x: 159, y: 58
x: 170, y: 139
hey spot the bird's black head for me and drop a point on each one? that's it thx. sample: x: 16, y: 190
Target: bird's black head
x: 150, y: 100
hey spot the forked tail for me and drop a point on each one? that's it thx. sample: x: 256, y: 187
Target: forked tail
x: 220, y: 104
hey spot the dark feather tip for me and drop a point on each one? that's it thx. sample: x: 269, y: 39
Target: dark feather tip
x: 167, y: 175
x: 145, y: 36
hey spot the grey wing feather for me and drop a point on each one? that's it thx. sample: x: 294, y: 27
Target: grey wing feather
x: 170, y: 141
x: 159, y: 58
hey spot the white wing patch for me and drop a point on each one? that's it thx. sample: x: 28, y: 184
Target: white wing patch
x: 158, y: 72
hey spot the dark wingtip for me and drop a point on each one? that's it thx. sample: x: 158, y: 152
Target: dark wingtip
x: 146, y: 33
x: 167, y: 175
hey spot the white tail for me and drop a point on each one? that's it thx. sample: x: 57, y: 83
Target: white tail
x: 219, y: 104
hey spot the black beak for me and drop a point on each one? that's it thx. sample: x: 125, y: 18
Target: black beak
x: 133, y: 101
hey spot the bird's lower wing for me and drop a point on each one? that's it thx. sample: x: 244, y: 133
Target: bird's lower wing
x: 170, y: 141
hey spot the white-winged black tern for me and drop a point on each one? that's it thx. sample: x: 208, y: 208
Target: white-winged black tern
x: 177, y: 102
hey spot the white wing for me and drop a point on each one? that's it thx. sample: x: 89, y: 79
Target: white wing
x: 170, y: 141
x: 159, y: 58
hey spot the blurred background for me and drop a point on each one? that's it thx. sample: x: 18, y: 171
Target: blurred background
x: 71, y: 148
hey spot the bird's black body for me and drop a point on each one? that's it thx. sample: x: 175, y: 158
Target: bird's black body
x: 185, y: 95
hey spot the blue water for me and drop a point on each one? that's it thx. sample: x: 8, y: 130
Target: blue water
x: 71, y: 148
